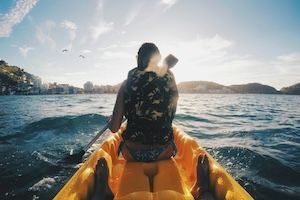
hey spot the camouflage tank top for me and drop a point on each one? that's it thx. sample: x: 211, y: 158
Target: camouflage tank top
x: 150, y: 105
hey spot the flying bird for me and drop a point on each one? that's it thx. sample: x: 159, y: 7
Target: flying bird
x: 65, y: 50
x: 81, y: 56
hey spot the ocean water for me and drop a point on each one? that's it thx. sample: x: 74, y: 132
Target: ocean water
x: 255, y: 137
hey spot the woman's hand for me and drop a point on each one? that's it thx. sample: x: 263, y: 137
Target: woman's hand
x: 108, y: 118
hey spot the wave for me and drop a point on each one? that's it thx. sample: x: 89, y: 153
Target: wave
x: 58, y: 125
x: 65, y: 122
x: 51, y: 160
x: 191, y: 118
x: 257, y: 117
x: 85, y: 100
x: 251, y: 166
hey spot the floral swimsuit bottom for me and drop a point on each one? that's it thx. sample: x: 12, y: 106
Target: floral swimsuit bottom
x: 147, y: 155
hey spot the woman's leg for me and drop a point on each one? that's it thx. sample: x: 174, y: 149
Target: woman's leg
x: 102, y: 190
x: 167, y: 153
x: 126, y: 154
x: 200, y: 190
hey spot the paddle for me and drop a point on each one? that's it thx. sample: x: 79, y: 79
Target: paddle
x: 77, y: 157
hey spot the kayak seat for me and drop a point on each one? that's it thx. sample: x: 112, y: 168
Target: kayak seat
x: 155, y: 180
x: 160, y: 180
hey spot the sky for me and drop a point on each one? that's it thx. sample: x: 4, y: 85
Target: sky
x: 228, y: 42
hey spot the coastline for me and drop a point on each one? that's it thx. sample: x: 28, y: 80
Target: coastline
x: 114, y: 93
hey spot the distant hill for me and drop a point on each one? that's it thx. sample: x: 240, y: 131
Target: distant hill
x: 15, y: 80
x: 202, y: 87
x: 294, y: 89
x: 212, y: 87
x: 253, y: 88
x: 9, y: 74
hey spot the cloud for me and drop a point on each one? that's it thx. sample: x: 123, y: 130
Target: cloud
x: 112, y: 46
x: 111, y: 55
x: 288, y: 64
x: 168, y: 3
x: 133, y: 43
x: 71, y: 27
x: 83, y: 40
x: 133, y: 14
x: 101, y: 28
x: 125, y: 45
x: 86, y: 51
x: 100, y: 5
x: 24, y: 51
x: 43, y: 33
x: 15, y: 16
x: 199, y: 50
x: 292, y: 57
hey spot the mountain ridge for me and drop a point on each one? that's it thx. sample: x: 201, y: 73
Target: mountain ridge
x: 212, y: 87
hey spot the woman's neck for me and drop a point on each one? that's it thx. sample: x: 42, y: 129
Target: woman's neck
x: 159, y: 70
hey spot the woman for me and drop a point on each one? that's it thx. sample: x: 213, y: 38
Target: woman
x: 148, y: 99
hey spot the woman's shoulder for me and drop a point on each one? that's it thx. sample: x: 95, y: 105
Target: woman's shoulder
x: 136, y: 73
x: 169, y: 75
x: 132, y: 71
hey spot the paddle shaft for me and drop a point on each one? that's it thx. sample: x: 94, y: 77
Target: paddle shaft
x: 96, y: 137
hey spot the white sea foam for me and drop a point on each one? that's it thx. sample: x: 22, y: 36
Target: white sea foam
x: 40, y: 156
x: 44, y: 184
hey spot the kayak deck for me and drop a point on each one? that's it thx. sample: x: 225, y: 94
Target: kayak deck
x: 172, y: 179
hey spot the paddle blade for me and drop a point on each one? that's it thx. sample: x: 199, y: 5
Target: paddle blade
x: 75, y: 158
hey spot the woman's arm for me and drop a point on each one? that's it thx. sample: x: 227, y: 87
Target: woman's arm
x: 118, y: 112
x: 174, y: 93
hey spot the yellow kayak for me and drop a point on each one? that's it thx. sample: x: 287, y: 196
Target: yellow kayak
x: 173, y: 178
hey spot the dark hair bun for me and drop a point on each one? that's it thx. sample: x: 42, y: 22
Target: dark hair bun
x: 144, y: 54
